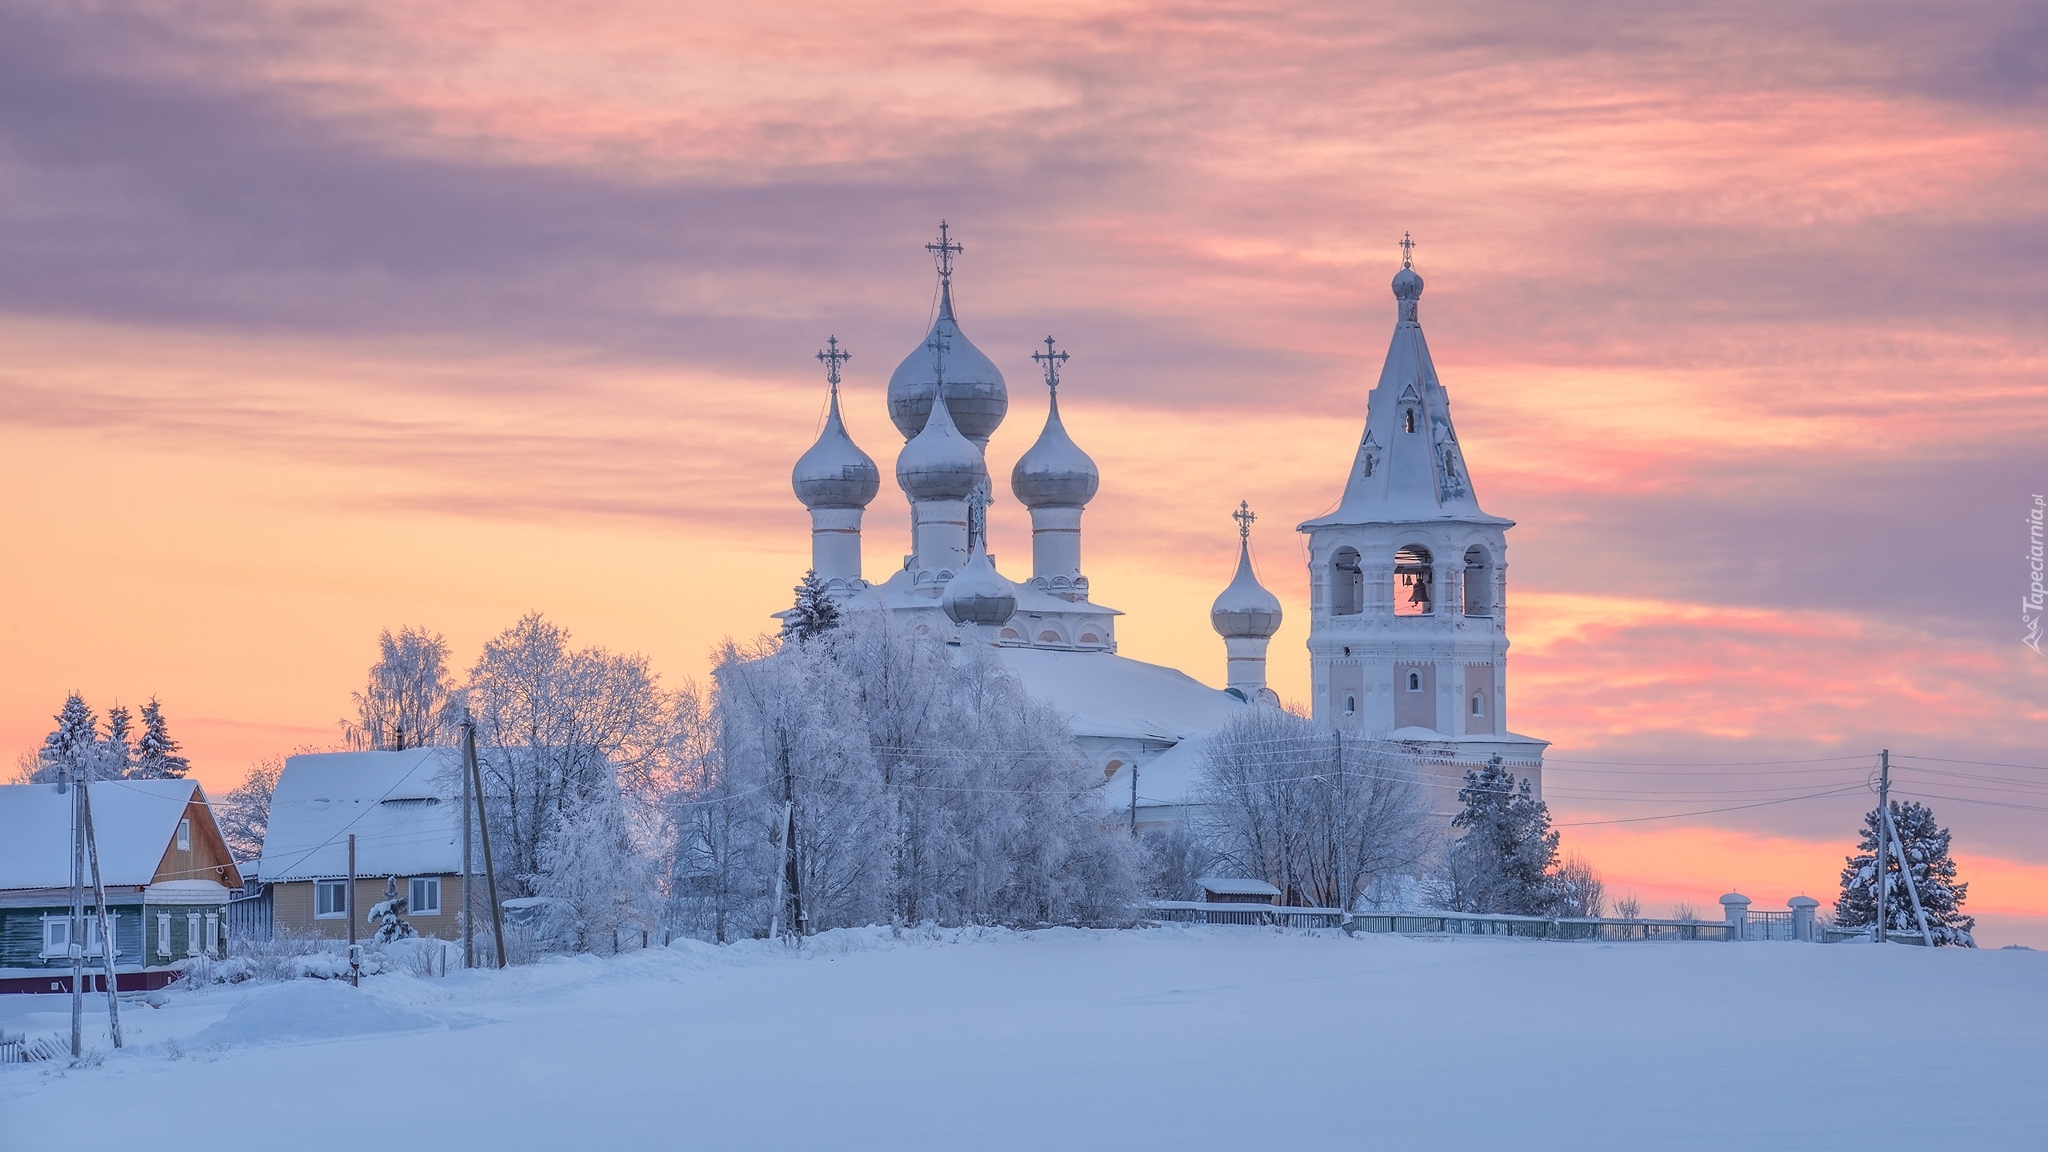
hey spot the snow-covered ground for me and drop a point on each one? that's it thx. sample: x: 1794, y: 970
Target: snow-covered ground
x: 1173, y: 1037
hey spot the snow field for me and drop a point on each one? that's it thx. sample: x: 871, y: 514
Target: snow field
x: 1184, y: 1037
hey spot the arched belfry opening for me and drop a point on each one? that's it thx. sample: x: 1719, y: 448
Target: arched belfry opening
x: 1347, y: 583
x: 1414, y: 584
x: 1478, y: 582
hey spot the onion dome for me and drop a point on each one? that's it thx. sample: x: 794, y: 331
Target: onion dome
x: 939, y: 463
x: 979, y: 594
x: 835, y: 473
x: 1407, y: 284
x: 1055, y: 472
x: 1245, y: 609
x: 975, y: 393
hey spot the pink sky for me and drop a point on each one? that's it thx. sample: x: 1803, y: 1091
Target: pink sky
x: 319, y: 320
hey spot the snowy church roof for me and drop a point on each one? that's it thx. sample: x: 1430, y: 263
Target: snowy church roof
x: 402, y: 808
x: 1103, y: 694
x: 133, y: 823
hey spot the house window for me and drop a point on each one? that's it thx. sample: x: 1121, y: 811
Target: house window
x: 1415, y: 681
x: 163, y: 933
x: 191, y: 933
x: 330, y: 899
x: 184, y: 835
x: 56, y: 935
x: 424, y: 897
x: 213, y: 933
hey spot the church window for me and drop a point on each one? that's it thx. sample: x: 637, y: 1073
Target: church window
x: 1413, y: 573
x: 1110, y: 768
x: 1351, y: 705
x: 1012, y: 634
x: 1414, y: 681
x: 1408, y: 420
x: 1347, y: 583
x: 1049, y: 637
x: 1090, y: 638
x: 1478, y: 704
x: 1478, y: 582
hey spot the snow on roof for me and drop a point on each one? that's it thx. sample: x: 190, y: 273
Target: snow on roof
x: 1166, y: 780
x: 1236, y: 886
x: 402, y: 807
x: 132, y: 822
x: 1103, y: 694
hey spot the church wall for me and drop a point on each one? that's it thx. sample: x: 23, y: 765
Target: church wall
x: 1415, y: 707
x: 1348, y: 704
x: 1479, y: 681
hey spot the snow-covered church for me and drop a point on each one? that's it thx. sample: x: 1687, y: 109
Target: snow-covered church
x: 1407, y: 624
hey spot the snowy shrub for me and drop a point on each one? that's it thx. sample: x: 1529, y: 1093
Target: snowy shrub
x: 1580, y: 891
x: 1316, y: 814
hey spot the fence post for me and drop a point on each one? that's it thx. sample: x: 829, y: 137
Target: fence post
x: 1802, y: 917
x: 1735, y: 909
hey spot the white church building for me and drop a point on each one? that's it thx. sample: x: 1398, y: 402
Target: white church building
x: 1407, y: 634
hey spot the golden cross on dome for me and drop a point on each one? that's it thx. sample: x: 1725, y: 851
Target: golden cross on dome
x: 1244, y: 517
x: 1051, y: 361
x: 832, y: 358
x: 1407, y: 251
x: 944, y: 248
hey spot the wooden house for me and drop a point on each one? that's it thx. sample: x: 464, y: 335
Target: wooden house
x: 404, y: 810
x: 166, y: 870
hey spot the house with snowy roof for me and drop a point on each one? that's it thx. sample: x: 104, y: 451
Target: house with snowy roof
x: 166, y: 870
x: 404, y: 810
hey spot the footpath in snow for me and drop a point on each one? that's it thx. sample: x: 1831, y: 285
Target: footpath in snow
x: 1176, y: 1037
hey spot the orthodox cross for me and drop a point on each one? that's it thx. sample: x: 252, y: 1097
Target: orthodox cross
x: 977, y: 515
x: 1407, y: 251
x: 944, y: 248
x: 1244, y: 517
x: 1051, y: 361
x: 939, y: 343
x: 832, y: 358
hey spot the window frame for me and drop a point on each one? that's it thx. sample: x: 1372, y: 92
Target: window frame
x: 185, y: 835
x: 191, y: 933
x: 213, y: 933
x: 61, y: 950
x: 339, y: 886
x: 1414, y: 680
x: 163, y: 934
x: 416, y: 884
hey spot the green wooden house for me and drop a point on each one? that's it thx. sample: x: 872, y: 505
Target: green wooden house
x: 166, y: 869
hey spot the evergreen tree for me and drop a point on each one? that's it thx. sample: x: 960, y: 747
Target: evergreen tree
x: 118, y: 749
x: 72, y: 750
x: 814, y: 611
x: 1504, y: 861
x: 1925, y: 845
x: 389, y: 915
x: 156, y: 757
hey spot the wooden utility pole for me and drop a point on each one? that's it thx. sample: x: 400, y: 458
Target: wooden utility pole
x: 1891, y: 829
x: 1134, y: 795
x: 99, y: 902
x: 1884, y: 822
x: 76, y: 932
x: 468, y: 904
x: 355, y: 967
x: 483, y: 824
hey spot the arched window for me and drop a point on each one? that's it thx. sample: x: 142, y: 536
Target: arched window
x: 1347, y: 583
x: 1414, y: 681
x: 1478, y: 582
x: 1478, y: 704
x: 1413, y: 586
x: 1408, y: 420
x: 1351, y: 705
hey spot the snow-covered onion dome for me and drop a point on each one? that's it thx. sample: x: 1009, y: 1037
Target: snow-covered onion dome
x: 1407, y: 284
x: 939, y: 463
x: 979, y: 594
x: 975, y: 393
x: 1245, y: 609
x: 1055, y: 472
x: 835, y: 473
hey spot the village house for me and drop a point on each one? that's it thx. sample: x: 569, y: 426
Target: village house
x: 404, y: 810
x: 166, y: 870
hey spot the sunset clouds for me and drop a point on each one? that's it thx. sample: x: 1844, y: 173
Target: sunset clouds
x: 319, y: 319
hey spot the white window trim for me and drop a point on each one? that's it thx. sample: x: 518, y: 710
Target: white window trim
x: 60, y: 950
x: 213, y: 933
x: 343, y: 913
x: 1414, y: 679
x: 1479, y: 703
x: 163, y: 933
x: 412, y: 906
x: 191, y: 933
x: 184, y: 835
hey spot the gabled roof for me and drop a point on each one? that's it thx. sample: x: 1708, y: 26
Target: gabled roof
x: 402, y: 807
x: 1103, y: 694
x: 133, y: 823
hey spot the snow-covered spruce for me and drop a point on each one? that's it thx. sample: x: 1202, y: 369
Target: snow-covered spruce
x: 1503, y: 862
x: 814, y: 612
x: 1933, y: 872
x: 157, y: 756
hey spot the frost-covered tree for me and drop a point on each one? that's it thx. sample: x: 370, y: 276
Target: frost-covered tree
x: 157, y: 756
x: 405, y: 704
x: 388, y: 915
x: 1315, y: 813
x: 714, y: 860
x: 1927, y: 861
x: 118, y: 749
x: 813, y: 613
x: 243, y: 813
x: 1503, y: 861
x: 74, y: 749
x: 1581, y: 891
x: 591, y: 868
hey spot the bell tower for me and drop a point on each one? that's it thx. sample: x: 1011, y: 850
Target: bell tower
x: 1408, y: 578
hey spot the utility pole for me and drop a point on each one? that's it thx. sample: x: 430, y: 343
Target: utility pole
x: 99, y: 901
x: 1884, y: 823
x: 790, y: 887
x: 1134, y: 795
x: 355, y: 958
x: 75, y: 933
x: 483, y: 825
x: 468, y: 905
x: 1891, y: 829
